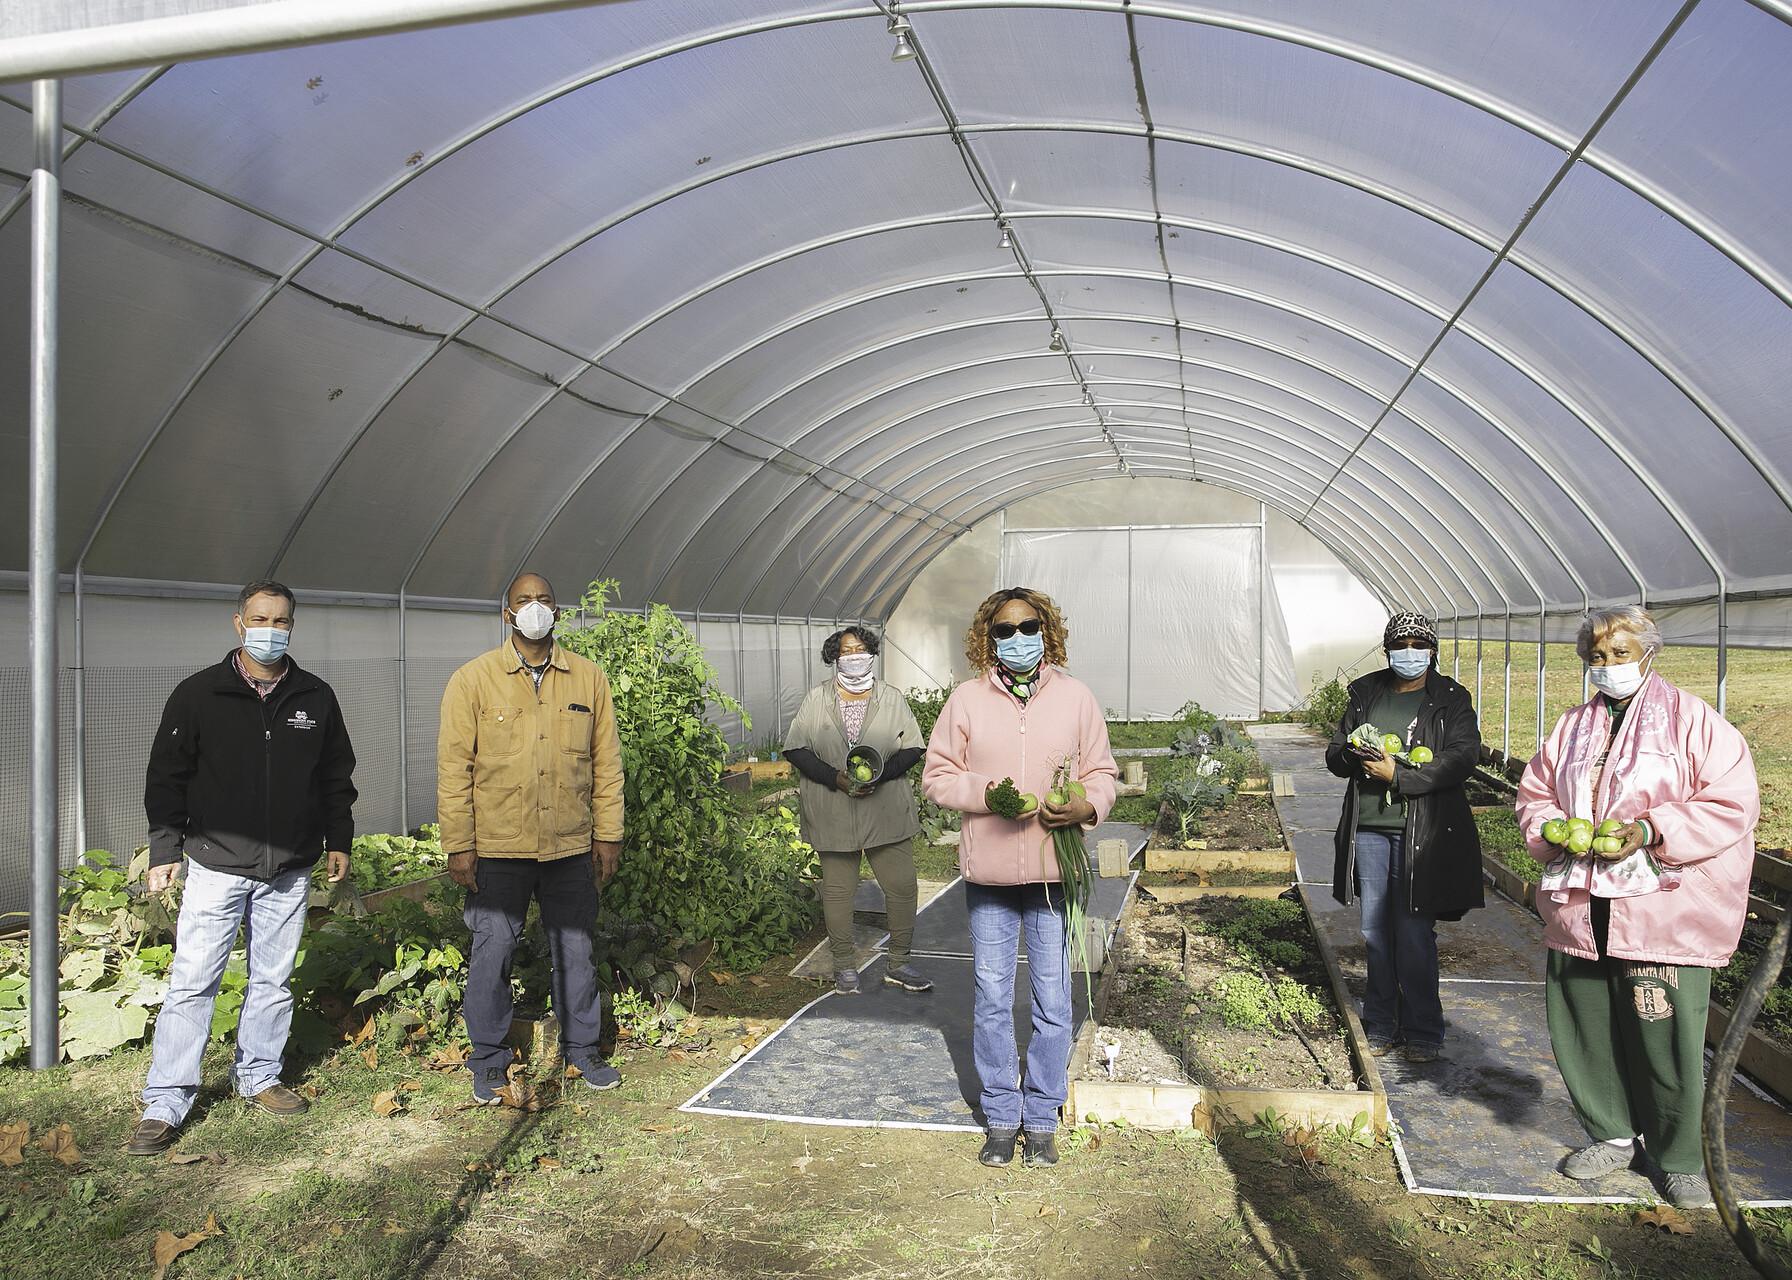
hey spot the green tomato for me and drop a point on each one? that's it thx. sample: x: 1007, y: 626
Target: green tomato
x: 1555, y: 831
x: 1610, y: 827
x: 1607, y: 844
x: 862, y: 772
x: 1028, y: 802
x: 1580, y: 824
x: 1391, y: 744
x: 1420, y: 755
x: 1580, y: 839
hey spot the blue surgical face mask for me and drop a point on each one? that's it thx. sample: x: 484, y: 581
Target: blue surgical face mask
x: 1409, y: 664
x: 267, y: 645
x: 1021, y: 652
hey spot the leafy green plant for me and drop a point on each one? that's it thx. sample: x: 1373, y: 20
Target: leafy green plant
x: 927, y: 705
x: 1326, y: 704
x: 694, y: 865
x: 382, y: 861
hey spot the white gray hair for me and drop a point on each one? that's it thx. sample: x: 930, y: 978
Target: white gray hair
x: 1633, y: 618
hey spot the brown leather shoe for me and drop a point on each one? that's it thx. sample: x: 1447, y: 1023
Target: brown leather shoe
x: 151, y: 1138
x: 278, y: 1100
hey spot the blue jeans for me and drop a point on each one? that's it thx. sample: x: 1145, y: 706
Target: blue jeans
x: 998, y: 913
x: 568, y: 896
x: 1401, y: 1000
x: 213, y: 905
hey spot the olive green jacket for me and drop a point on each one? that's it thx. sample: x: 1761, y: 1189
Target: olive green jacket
x: 833, y: 821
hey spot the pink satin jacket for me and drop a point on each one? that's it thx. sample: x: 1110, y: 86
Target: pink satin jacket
x: 1686, y: 769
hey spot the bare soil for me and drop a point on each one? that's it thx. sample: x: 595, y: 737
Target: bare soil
x: 1165, y: 1009
x: 1248, y: 822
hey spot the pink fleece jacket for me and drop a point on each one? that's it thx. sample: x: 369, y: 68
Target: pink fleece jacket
x: 1687, y: 770
x: 985, y: 734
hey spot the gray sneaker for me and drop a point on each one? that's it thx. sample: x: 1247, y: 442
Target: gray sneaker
x: 1688, y: 1190
x: 908, y: 978
x: 846, y: 982
x: 1598, y: 1160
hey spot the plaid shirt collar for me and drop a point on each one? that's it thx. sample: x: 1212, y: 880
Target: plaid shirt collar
x: 263, y: 688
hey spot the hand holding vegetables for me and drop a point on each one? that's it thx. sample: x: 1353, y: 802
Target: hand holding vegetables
x: 1611, y: 840
x: 1067, y: 808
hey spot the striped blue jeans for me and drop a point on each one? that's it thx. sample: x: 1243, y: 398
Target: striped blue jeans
x: 214, y: 904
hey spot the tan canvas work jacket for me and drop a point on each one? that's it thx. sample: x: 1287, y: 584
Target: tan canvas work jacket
x: 527, y: 774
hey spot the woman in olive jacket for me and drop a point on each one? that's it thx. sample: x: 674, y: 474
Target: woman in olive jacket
x: 1406, y: 843
x: 846, y: 820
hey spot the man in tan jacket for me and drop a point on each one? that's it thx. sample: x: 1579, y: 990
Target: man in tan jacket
x: 529, y: 797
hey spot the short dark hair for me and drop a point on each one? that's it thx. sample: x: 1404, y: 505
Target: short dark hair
x: 265, y: 587
x: 526, y: 573
x: 830, y: 648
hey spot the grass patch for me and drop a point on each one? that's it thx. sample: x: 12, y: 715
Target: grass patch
x: 1760, y: 705
x: 1129, y: 734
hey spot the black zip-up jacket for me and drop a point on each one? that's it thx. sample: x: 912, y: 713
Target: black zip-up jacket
x: 249, y: 787
x: 1442, y: 869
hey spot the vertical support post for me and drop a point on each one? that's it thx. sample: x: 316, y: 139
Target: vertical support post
x: 80, y: 655
x: 404, y: 720
x: 1542, y: 667
x: 46, y: 250
x: 1456, y: 647
x: 1128, y: 621
x: 1262, y: 602
x: 740, y: 672
x: 1506, y: 702
x: 1478, y: 667
x: 778, y: 672
x: 1723, y: 650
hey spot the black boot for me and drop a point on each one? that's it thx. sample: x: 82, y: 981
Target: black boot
x: 998, y: 1147
x: 1041, y: 1150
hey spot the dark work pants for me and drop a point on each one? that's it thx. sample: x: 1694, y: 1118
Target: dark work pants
x: 495, y: 914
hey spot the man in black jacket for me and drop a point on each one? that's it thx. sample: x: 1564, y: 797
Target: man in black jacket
x: 1406, y: 842
x: 250, y: 780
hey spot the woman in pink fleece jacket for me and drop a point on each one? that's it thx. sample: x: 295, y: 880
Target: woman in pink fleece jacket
x: 1635, y: 934
x: 1019, y: 718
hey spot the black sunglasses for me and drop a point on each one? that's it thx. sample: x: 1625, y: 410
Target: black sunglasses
x: 1006, y: 630
x: 1409, y: 644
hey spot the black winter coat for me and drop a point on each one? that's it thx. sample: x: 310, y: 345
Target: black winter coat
x: 248, y: 787
x: 1442, y: 869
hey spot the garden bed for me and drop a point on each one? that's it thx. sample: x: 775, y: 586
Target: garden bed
x: 1247, y: 822
x: 1202, y: 1002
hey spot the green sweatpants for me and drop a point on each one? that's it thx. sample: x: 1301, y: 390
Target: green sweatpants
x: 1629, y: 1039
x: 894, y: 867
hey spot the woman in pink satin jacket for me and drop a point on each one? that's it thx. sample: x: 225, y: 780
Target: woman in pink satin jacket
x: 1635, y: 932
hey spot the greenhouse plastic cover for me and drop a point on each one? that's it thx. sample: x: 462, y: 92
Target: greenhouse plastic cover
x: 1160, y: 616
x: 712, y: 297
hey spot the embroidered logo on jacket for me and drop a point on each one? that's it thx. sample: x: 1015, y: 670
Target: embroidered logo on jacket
x: 301, y: 721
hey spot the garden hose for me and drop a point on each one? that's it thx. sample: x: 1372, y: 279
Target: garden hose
x: 1717, y: 1090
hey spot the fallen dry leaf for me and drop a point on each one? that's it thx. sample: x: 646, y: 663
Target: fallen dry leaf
x: 371, y: 1056
x: 546, y: 1162
x: 60, y: 1143
x: 170, y: 1246
x: 391, y: 1228
x: 450, y: 1056
x: 665, y: 1128
x: 364, y: 1034
x: 722, y: 978
x: 1665, y: 1217
x: 758, y: 981
x: 409, y: 1086
x: 737, y: 1053
x: 13, y: 1138
x: 1048, y: 1211
x: 386, y: 1104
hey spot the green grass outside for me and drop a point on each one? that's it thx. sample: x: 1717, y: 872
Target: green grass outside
x: 1760, y: 705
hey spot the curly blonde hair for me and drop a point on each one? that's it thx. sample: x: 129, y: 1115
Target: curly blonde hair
x: 980, y: 650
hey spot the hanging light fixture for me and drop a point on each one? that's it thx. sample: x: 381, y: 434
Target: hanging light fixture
x: 1057, y: 342
x: 1007, y: 240
x: 899, y: 27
